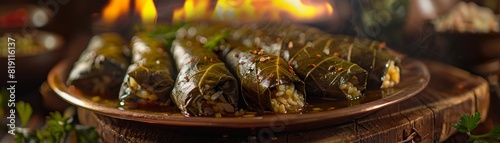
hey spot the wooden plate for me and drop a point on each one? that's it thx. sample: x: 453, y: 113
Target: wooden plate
x: 415, y: 77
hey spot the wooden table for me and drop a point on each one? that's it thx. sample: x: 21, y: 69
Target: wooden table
x: 426, y: 117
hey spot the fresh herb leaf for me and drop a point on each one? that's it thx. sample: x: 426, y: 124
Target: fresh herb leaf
x: 215, y: 41
x: 86, y: 134
x: 468, y: 123
x: 495, y: 133
x: 166, y: 32
x: 24, y: 110
x: 168, y: 28
x: 58, y: 127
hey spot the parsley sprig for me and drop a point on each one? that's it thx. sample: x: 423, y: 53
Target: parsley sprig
x: 166, y: 32
x: 212, y: 43
x: 57, y: 129
x: 468, y: 123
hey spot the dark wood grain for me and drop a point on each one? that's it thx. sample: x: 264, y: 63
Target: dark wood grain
x: 426, y: 117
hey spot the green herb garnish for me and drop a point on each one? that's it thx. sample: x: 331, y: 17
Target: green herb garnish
x: 468, y: 123
x: 168, y: 33
x: 57, y: 129
x: 215, y: 40
x: 24, y: 110
x: 165, y: 32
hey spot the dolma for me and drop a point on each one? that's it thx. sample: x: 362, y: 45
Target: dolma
x: 204, y: 86
x: 383, y: 68
x: 267, y: 82
x: 100, y: 69
x: 150, y: 77
x: 326, y: 76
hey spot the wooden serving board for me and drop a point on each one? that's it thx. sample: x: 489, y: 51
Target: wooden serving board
x: 426, y: 117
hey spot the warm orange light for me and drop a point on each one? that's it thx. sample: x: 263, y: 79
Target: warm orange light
x: 252, y: 10
x: 147, y: 11
x: 114, y: 10
x: 193, y: 9
x: 300, y: 11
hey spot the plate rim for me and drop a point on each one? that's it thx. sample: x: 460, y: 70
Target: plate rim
x: 60, y: 88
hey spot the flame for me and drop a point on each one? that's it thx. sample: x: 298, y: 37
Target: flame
x: 147, y: 11
x: 114, y: 10
x: 117, y: 9
x: 192, y: 9
x: 253, y: 10
x: 299, y: 10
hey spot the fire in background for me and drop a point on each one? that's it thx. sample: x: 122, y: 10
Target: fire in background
x: 253, y: 10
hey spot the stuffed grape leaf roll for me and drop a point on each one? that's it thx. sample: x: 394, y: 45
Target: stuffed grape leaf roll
x: 204, y: 86
x: 100, y: 69
x: 150, y: 77
x: 384, y: 70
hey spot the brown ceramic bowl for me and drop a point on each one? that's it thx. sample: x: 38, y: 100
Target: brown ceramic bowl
x: 31, y: 69
x: 415, y: 77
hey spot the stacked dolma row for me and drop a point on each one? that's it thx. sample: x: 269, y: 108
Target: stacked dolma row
x: 382, y: 67
x: 267, y: 83
x: 205, y: 86
x: 326, y: 76
x: 264, y: 58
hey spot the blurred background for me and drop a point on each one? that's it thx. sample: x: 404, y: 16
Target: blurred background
x: 463, y: 33
x: 407, y: 26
